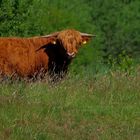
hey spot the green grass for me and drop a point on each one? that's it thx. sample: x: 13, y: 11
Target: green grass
x: 99, y: 107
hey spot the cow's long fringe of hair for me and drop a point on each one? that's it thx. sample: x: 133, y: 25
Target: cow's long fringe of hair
x: 70, y: 37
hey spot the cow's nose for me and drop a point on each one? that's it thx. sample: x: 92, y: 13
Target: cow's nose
x: 71, y: 55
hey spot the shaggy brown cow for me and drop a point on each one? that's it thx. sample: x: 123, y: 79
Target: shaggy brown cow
x: 27, y: 57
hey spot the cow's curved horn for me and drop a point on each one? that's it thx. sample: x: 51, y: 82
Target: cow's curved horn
x: 87, y: 35
x: 51, y: 35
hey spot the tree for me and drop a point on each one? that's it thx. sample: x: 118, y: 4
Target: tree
x: 13, y: 17
x: 118, y: 27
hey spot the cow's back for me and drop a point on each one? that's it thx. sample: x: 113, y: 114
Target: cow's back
x: 17, y: 55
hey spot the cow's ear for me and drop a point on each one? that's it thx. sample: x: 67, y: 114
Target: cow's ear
x: 86, y: 37
x: 52, y: 40
x: 51, y: 37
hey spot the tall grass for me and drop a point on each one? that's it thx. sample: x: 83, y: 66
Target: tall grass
x: 88, y: 107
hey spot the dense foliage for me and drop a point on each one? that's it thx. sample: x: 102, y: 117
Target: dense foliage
x: 115, y: 22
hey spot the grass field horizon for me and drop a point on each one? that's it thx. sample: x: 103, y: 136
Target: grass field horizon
x: 88, y: 107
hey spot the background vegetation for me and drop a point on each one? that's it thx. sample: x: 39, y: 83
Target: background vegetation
x: 99, y: 99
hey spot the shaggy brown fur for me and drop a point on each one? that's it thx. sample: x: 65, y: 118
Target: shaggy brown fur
x: 71, y: 40
x: 28, y: 56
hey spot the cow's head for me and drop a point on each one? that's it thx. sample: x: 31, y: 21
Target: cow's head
x: 71, y: 40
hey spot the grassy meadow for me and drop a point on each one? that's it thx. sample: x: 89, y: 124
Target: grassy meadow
x: 86, y: 107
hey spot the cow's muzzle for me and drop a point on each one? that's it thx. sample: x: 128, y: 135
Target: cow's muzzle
x: 71, y: 55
